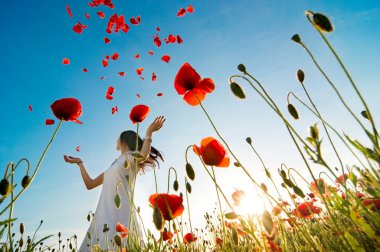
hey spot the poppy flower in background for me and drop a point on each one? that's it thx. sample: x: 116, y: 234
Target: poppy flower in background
x: 69, y: 11
x: 341, y: 179
x: 135, y: 21
x: 67, y: 109
x: 167, y: 236
x: 374, y: 203
x: 166, y: 202
x: 189, y: 238
x: 166, y: 58
x: 49, y: 121
x: 122, y: 230
x: 212, y: 152
x: 189, y: 83
x: 218, y: 241
x: 306, y: 210
x: 181, y: 12
x: 139, y: 113
x: 30, y: 108
x: 65, y: 61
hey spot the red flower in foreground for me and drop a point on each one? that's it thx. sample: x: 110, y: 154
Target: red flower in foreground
x: 135, y: 21
x: 65, y: 61
x: 49, y: 121
x: 167, y: 203
x: 67, y: 109
x: 306, y: 210
x: 181, y: 12
x: 374, y: 203
x: 189, y: 237
x: 212, y: 152
x: 123, y: 230
x: 69, y: 11
x: 189, y: 83
x: 166, y: 58
x: 138, y: 113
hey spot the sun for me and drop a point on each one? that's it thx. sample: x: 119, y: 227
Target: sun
x: 251, y: 204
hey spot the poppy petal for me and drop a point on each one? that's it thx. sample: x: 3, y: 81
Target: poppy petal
x: 69, y: 10
x: 107, y: 40
x: 166, y: 58
x: 65, y: 61
x: 49, y: 121
x: 186, y: 79
x: 191, y: 97
x: 206, y: 85
x: 181, y: 12
x: 190, y: 9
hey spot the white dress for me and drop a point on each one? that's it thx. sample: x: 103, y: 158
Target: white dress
x: 107, y: 212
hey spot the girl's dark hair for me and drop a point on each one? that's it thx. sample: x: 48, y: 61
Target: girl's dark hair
x: 128, y: 137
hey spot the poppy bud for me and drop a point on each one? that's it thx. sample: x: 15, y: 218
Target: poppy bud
x: 188, y: 187
x: 298, y: 191
x: 138, y: 209
x: 322, y: 22
x: 296, y: 38
x: 267, y: 221
x: 181, y: 194
x: 89, y: 235
x: 282, y: 174
x: 70, y: 245
x: 300, y: 75
x: 293, y: 111
x: 190, y: 171
x: 237, y: 90
x: 88, y: 217
x: 231, y: 215
x: 175, y: 185
x: 28, y: 241
x: 249, y: 140
x: 241, y: 68
x: 59, y: 234
x: 237, y: 164
x: 25, y: 181
x: 365, y: 114
x: 289, y: 183
x: 22, y: 228
x: 314, y: 131
x: 117, y: 200
x: 264, y: 187
x: 5, y: 187
x: 21, y: 242
x: 235, y: 237
x: 117, y: 239
x: 158, y: 218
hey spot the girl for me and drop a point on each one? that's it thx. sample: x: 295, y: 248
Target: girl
x: 125, y: 169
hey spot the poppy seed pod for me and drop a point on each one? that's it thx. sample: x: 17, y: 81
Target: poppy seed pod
x: 5, y: 187
x: 237, y: 90
x: 190, y: 171
x: 296, y: 38
x: 264, y: 187
x: 293, y: 111
x: 249, y: 140
x: 25, y: 181
x: 298, y: 191
x: 175, y: 185
x: 300, y: 75
x: 365, y: 114
x: 188, y: 187
x: 158, y: 218
x: 282, y: 174
x: 267, y: 221
x: 117, y: 239
x: 88, y: 217
x: 241, y: 68
x: 22, y: 228
x: 21, y: 242
x: 322, y: 22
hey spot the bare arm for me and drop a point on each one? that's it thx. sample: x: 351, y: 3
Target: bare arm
x: 89, y: 182
x: 154, y: 126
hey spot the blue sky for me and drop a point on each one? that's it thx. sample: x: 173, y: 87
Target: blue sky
x: 217, y: 37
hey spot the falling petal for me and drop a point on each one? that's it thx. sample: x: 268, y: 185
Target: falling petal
x: 78, y: 28
x: 137, y: 56
x: 181, y: 12
x: 101, y: 14
x: 122, y: 74
x: 87, y: 16
x: 166, y: 58
x: 158, y: 29
x: 190, y: 9
x: 179, y: 39
x: 85, y: 70
x: 135, y: 21
x: 65, y: 61
x: 77, y: 149
x: 150, y: 52
x: 105, y: 62
x: 159, y: 94
x: 138, y: 95
x: 139, y: 70
x: 49, y: 121
x: 107, y: 56
x: 30, y: 108
x: 114, y: 110
x: 107, y: 40
x: 69, y: 10
x: 102, y: 78
x: 110, y: 90
x: 115, y: 56
x: 156, y: 40
x: 109, y: 97
x: 154, y: 77
x: 171, y: 38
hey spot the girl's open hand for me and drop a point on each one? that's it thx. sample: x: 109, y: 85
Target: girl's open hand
x: 156, y: 124
x: 72, y: 160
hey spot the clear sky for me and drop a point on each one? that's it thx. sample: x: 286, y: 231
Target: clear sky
x: 217, y: 37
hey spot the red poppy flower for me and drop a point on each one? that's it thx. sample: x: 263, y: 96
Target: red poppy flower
x: 157, y: 40
x: 135, y: 21
x: 115, y: 56
x: 85, y: 70
x: 137, y: 56
x: 167, y: 203
x: 374, y: 203
x: 238, y: 196
x: 87, y: 16
x: 114, y: 110
x: 154, y: 76
x: 181, y: 12
x: 123, y: 230
x: 159, y: 94
x: 78, y: 28
x: 212, y: 152
x: 218, y: 240
x: 49, y: 121
x: 122, y: 74
x: 179, y: 40
x: 189, y: 238
x: 189, y: 83
x: 139, y: 70
x: 105, y: 62
x: 150, y: 52
x: 166, y: 58
x: 101, y: 14
x: 67, y: 109
x: 30, y: 108
x: 166, y: 235
x: 341, y: 179
x: 65, y: 61
x: 69, y: 11
x: 138, y: 113
x: 107, y: 40
x: 190, y: 9
x: 77, y: 149
x: 306, y: 210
